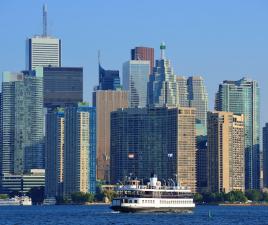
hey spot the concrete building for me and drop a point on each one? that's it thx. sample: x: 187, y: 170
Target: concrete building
x: 22, y: 128
x: 225, y: 152
x: 162, y: 86
x: 159, y: 140
x: 265, y: 155
x: 135, y: 77
x: 54, y: 148
x: 22, y: 182
x: 143, y: 53
x: 105, y: 102
x: 79, y: 158
x: 63, y: 86
x: 242, y: 97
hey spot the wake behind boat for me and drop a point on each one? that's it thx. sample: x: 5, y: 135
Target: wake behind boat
x: 152, y: 197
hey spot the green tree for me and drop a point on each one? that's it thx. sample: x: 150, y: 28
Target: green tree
x: 254, y: 195
x: 3, y: 196
x: 37, y: 194
x: 265, y: 196
x: 198, y: 198
x: 81, y: 197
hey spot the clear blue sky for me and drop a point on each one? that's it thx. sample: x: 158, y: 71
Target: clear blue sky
x: 219, y: 40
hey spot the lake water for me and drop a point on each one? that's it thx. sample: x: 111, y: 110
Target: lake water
x: 100, y: 214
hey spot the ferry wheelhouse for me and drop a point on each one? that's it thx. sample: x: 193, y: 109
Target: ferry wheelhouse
x: 152, y: 197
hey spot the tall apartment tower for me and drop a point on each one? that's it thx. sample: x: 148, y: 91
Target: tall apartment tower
x: 242, y: 97
x: 22, y: 145
x: 143, y: 53
x: 54, y: 148
x: 265, y: 155
x: 105, y: 102
x: 198, y: 98
x: 162, y: 87
x: 159, y: 140
x: 79, y: 141
x: 135, y: 78
x: 43, y: 50
x: 108, y: 79
x: 225, y: 152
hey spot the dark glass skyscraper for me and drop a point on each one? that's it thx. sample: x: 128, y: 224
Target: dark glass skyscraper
x: 108, y: 79
x: 63, y: 86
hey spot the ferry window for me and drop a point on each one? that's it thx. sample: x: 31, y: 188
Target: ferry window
x: 142, y: 201
x: 135, y: 201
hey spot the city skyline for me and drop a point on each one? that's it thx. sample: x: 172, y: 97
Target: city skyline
x: 197, y: 45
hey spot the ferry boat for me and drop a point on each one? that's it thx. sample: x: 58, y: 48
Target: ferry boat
x: 152, y: 197
x: 23, y: 200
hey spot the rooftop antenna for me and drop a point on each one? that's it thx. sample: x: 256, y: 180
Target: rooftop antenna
x: 45, y: 20
x: 99, y: 55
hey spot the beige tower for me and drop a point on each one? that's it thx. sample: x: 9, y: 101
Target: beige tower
x: 186, y: 164
x: 225, y: 152
x: 105, y: 102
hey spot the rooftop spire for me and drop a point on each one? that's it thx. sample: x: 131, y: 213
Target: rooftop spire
x: 162, y: 49
x: 44, y: 20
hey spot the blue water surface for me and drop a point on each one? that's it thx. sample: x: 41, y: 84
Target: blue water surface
x: 101, y: 214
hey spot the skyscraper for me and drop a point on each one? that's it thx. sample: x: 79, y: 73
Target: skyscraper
x: 106, y: 102
x: 79, y: 156
x: 183, y: 95
x: 63, y: 86
x: 198, y: 98
x: 159, y: 140
x: 22, y: 146
x: 43, y: 50
x: 108, y: 79
x: 162, y: 87
x: 225, y: 152
x: 242, y: 97
x: 265, y: 155
x: 54, y: 147
x: 143, y: 53
x: 135, y: 77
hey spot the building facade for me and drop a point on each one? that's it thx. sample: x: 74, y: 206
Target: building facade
x: 22, y: 182
x: 225, y: 152
x: 143, y: 53
x: 265, y: 155
x: 106, y: 102
x: 198, y: 98
x: 78, y: 149
x: 43, y: 51
x: 154, y: 140
x: 135, y: 77
x: 242, y: 97
x: 108, y: 79
x: 22, y: 128
x: 183, y: 95
x: 63, y: 86
x: 54, y: 148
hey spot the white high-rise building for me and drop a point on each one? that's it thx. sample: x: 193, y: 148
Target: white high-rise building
x: 135, y: 77
x: 43, y: 51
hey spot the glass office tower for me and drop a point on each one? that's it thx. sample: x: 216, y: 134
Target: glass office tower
x: 242, y: 97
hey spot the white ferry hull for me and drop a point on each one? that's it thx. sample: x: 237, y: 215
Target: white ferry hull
x: 151, y: 209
